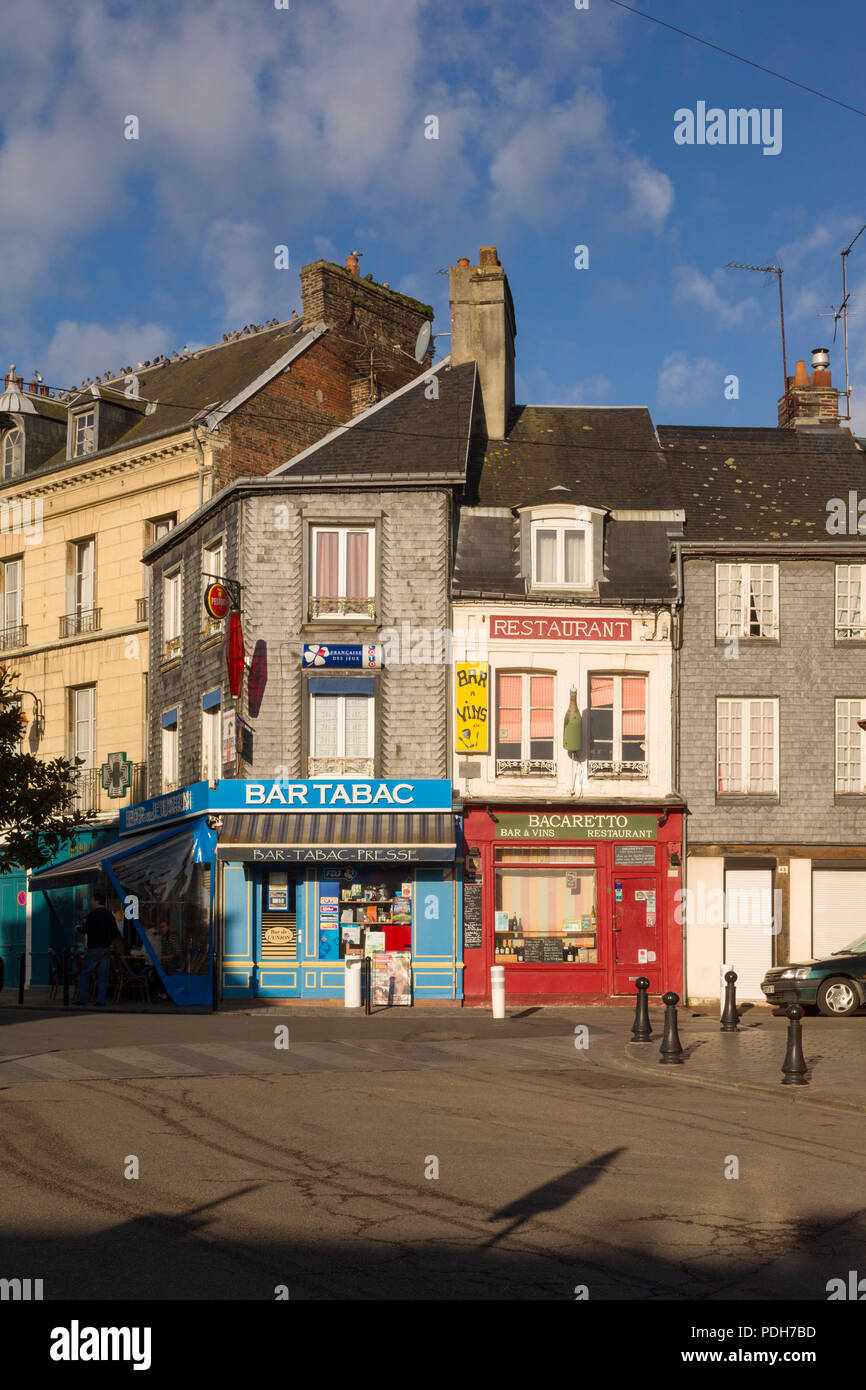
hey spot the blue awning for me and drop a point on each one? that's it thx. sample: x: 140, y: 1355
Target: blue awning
x: 83, y: 868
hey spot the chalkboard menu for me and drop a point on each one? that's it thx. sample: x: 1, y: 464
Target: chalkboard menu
x: 634, y: 854
x: 546, y: 948
x: 471, y: 916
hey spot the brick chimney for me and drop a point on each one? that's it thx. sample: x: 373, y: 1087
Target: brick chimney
x: 483, y: 330
x: 810, y: 402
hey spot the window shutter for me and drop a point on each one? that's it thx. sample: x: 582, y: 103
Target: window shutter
x: 525, y: 548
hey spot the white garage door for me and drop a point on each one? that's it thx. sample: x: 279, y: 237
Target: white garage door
x: 838, y: 908
x: 748, y: 928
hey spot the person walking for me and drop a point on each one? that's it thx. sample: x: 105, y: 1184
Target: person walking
x: 100, y: 930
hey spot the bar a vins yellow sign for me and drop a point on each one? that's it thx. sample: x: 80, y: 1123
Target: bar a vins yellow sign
x: 472, y: 706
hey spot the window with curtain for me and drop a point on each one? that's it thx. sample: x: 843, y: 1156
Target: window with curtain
x: 850, y: 622
x: 341, y: 734
x: 211, y: 744
x: 747, y: 601
x: 170, y: 756
x: 560, y: 555
x: 617, y: 723
x: 342, y: 578
x: 12, y: 600
x: 524, y: 723
x: 850, y: 741
x: 172, y: 614
x: 747, y: 746
x: 212, y: 569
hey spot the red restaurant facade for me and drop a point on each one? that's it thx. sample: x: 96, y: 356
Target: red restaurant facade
x: 575, y: 903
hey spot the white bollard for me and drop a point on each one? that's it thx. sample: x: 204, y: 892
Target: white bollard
x: 352, y: 982
x: 497, y: 990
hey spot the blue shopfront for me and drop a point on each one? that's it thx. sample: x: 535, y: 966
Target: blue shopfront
x: 266, y: 887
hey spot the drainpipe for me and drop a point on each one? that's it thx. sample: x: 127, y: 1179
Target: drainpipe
x: 201, y: 465
x: 676, y: 645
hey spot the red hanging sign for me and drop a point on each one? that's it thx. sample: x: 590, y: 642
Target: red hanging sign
x: 235, y: 654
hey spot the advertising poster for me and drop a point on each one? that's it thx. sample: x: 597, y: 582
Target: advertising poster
x: 472, y: 706
x: 392, y: 978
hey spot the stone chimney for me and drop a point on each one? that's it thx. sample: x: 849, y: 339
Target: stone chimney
x: 810, y: 402
x: 483, y: 331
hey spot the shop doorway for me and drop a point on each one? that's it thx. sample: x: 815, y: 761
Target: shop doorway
x: 277, y: 973
x: 635, y: 932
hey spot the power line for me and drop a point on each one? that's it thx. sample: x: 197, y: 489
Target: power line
x: 813, y: 91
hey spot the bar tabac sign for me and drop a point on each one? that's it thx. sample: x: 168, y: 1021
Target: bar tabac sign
x: 472, y: 706
x: 569, y: 825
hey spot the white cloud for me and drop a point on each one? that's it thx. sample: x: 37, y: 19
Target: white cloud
x: 81, y: 350
x: 691, y: 286
x: 682, y: 383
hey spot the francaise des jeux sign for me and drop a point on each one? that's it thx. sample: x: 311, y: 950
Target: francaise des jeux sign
x: 576, y: 826
x: 561, y: 629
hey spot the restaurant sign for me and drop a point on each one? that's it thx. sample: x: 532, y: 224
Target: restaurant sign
x: 569, y: 825
x: 542, y: 629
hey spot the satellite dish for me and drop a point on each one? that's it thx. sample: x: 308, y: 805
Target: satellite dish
x: 422, y: 342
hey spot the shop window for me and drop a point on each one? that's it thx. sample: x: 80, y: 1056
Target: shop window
x: 747, y: 601
x: 747, y: 747
x: 850, y: 621
x: 617, y: 726
x: 546, y: 909
x: 375, y: 911
x: 341, y: 734
x: 524, y: 725
x: 850, y: 739
x: 342, y: 582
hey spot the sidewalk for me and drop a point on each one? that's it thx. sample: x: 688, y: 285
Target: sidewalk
x: 750, y: 1060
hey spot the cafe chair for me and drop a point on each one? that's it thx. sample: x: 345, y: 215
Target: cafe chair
x: 131, y: 979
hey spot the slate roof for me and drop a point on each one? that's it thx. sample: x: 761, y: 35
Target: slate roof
x: 404, y: 435
x: 186, y: 386
x: 602, y: 457
x: 608, y: 457
x: 760, y: 484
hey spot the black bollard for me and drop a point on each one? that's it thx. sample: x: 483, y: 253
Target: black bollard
x: 671, y: 1048
x: 66, y: 977
x: 368, y: 983
x: 640, y: 1029
x: 22, y: 967
x: 794, y: 1065
x: 730, y: 1017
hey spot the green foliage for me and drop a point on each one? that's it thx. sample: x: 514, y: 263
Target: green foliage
x: 36, y: 797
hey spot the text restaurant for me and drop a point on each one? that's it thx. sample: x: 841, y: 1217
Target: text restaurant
x: 576, y: 903
x: 271, y: 885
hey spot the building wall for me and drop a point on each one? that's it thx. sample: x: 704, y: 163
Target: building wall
x: 807, y: 671
x: 266, y: 553
x: 572, y: 662
x: 111, y: 502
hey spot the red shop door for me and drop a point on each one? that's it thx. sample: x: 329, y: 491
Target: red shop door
x: 636, y: 933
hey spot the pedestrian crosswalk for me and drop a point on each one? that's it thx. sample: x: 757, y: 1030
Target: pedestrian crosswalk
x: 264, y: 1059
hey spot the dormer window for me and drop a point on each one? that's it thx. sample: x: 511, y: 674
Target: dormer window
x: 560, y: 554
x: 12, y: 455
x: 83, y: 433
x: 561, y: 547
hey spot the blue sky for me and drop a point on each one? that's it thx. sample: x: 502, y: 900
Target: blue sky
x: 305, y: 127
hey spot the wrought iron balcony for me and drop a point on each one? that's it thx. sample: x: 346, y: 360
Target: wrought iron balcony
x: 15, y: 636
x: 335, y: 606
x: 88, y: 787
x: 340, y: 767
x: 525, y: 767
x: 605, y: 767
x: 141, y: 605
x: 82, y: 620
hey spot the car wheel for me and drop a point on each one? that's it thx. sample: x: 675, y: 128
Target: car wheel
x: 837, y: 998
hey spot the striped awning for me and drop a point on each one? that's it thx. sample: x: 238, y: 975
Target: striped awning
x: 337, y: 839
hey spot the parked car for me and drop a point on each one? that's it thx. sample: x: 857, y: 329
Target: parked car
x: 836, y: 983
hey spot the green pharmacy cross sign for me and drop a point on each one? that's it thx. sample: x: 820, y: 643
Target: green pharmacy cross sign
x: 116, y: 774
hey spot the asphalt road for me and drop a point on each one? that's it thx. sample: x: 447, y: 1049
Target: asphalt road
x: 552, y: 1174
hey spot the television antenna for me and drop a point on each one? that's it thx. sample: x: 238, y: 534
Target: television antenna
x: 843, y: 310
x: 770, y: 270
